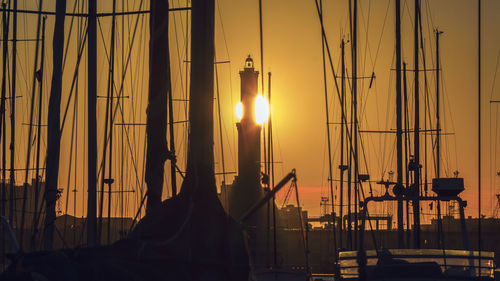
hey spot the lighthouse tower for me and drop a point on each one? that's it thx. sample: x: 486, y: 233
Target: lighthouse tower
x: 247, y: 189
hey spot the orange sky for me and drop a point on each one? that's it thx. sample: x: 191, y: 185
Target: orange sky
x: 292, y: 52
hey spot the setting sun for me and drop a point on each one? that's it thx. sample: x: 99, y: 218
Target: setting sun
x: 239, y: 110
x: 261, y: 110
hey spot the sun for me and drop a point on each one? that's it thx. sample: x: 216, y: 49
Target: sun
x: 261, y: 110
x: 239, y: 110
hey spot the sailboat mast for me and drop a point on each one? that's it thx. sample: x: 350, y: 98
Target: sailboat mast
x: 172, y: 139
x: 200, y: 162
x: 261, y: 41
x: 438, y: 124
x: 53, y: 126
x: 13, y: 114
x: 354, y: 46
x: 271, y: 176
x: 479, y: 244
x: 220, y: 126
x: 350, y: 160
x: 407, y: 151
x: 38, y: 134
x: 105, y: 145
x: 328, y: 135
x: 92, y: 125
x: 416, y: 193
x: 111, y: 94
x: 342, y: 121
x: 159, y: 86
x: 30, y: 124
x: 399, y: 125
x: 5, y: 35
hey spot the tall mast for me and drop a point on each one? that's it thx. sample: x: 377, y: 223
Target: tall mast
x: 31, y: 125
x: 5, y: 35
x: 13, y: 115
x: 173, y: 161
x: 350, y: 160
x: 479, y: 244
x: 354, y: 46
x: 328, y: 135
x: 105, y: 141
x: 220, y: 125
x: 407, y: 152
x: 53, y: 126
x: 399, y: 125
x: 200, y: 177
x: 438, y: 124
x: 261, y: 41
x: 416, y: 181
x: 39, y: 134
x: 92, y: 125
x: 111, y: 94
x: 342, y: 165
x: 271, y: 173
x: 159, y: 86
x: 172, y: 138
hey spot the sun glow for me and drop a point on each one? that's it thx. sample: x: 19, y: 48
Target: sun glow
x: 239, y: 110
x: 261, y: 110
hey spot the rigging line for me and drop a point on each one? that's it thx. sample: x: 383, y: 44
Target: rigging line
x: 261, y: 41
x: 136, y: 85
x: 75, y: 75
x: 230, y: 86
x: 367, y: 54
x: 69, y: 37
x: 120, y: 92
x: 123, y: 75
x: 109, y: 125
x: 182, y: 27
x: 74, y: 133
x: 122, y: 164
x: 69, y: 169
x: 75, y: 112
x: 494, y: 76
x: 330, y: 172
x: 180, y: 71
x: 141, y: 135
x: 429, y: 19
x: 493, y: 145
x: 30, y: 130
x: 102, y: 168
x: 367, y: 44
x: 13, y: 103
x: 427, y: 117
x: 320, y: 16
x: 353, y: 153
x: 364, y: 153
x: 178, y: 52
x: 381, y: 35
x: 133, y: 160
x: 111, y: 93
x: 389, y: 120
x: 130, y: 148
x: 220, y: 124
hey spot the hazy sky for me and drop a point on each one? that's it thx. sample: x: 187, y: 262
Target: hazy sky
x: 292, y: 52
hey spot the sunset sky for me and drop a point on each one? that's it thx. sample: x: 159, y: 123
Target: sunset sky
x: 292, y: 52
